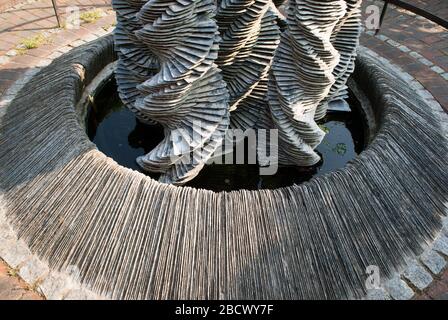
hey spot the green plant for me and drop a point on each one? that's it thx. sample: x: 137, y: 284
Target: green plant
x: 340, y: 148
x: 33, y: 42
x: 91, y: 16
x: 13, y: 272
x: 107, y: 27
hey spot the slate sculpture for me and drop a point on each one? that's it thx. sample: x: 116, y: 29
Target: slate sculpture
x: 199, y: 68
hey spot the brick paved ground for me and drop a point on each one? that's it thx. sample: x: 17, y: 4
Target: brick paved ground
x: 6, y: 4
x: 27, y: 19
x: 14, y: 288
x: 436, y: 7
x: 31, y: 19
x: 438, y: 290
x: 417, y: 45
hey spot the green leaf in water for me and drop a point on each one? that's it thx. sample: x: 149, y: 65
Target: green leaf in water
x: 324, y: 128
x: 340, y: 148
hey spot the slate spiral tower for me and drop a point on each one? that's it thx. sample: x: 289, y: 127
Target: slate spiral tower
x: 311, y: 65
x: 250, y: 35
x: 269, y: 80
x: 186, y: 94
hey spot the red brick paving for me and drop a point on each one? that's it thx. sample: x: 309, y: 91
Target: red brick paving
x: 436, y: 7
x: 420, y: 35
x: 14, y: 288
x: 15, y: 25
x: 28, y: 23
x: 438, y: 290
x: 32, y: 18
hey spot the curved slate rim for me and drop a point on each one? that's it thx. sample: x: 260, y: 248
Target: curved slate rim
x: 292, y: 235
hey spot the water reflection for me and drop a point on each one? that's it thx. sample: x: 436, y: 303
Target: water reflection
x: 119, y: 135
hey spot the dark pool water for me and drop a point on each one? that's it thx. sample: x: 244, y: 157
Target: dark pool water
x: 119, y: 135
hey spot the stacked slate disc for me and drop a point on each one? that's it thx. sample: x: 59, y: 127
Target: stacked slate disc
x: 250, y: 36
x: 314, y: 59
x: 345, y: 39
x: 187, y: 94
x: 135, y: 63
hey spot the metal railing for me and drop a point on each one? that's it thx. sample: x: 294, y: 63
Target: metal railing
x: 56, y: 12
x: 417, y: 10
